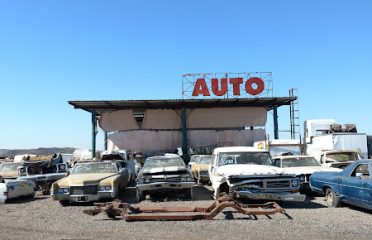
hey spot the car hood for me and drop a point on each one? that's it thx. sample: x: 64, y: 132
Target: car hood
x: 202, y: 167
x: 247, y: 169
x: 12, y: 174
x: 310, y: 170
x: 81, y: 179
x: 164, y: 169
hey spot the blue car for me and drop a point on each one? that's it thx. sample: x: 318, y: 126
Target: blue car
x: 353, y: 185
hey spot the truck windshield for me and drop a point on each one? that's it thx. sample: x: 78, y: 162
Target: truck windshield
x: 343, y: 157
x: 300, y: 162
x: 258, y: 158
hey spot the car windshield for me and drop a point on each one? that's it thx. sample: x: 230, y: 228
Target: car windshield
x: 259, y: 158
x: 343, y: 156
x: 300, y: 162
x: 9, y: 167
x: 94, y: 168
x: 194, y: 158
x: 205, y: 159
x: 164, y: 162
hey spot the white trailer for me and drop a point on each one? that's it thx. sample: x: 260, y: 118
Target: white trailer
x: 324, y: 135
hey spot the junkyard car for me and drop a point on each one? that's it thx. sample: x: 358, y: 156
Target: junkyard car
x: 301, y: 165
x: 8, y: 171
x: 339, y: 158
x: 43, y: 170
x: 91, y: 181
x: 164, y: 174
x: 16, y: 188
x: 200, y: 168
x: 247, y: 172
x: 353, y: 185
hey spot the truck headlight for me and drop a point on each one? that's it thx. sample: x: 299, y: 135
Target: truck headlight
x: 295, y: 183
x: 105, y: 188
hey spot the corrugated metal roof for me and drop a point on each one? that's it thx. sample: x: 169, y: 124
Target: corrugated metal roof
x: 112, y: 105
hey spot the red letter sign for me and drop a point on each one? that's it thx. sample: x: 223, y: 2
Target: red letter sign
x: 236, y: 85
x: 200, y: 88
x: 215, y: 90
x: 249, y: 86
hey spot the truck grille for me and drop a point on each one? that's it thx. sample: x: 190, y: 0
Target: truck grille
x: 174, y: 179
x: 83, y: 190
x: 278, y: 184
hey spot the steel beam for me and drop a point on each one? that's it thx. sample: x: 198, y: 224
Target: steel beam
x: 185, y: 151
x: 94, y: 132
x: 276, y: 129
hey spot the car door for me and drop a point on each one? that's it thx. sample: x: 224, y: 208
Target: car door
x: 355, y: 187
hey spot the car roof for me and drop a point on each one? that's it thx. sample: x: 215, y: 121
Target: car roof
x: 238, y: 149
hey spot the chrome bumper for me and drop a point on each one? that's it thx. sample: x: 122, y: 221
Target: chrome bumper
x: 271, y: 196
x: 84, y: 197
x: 164, y: 185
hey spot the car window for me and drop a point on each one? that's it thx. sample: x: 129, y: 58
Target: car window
x: 363, y: 169
x: 194, y: 158
x: 300, y: 162
x: 164, y: 162
x: 204, y: 159
x: 10, y: 167
x: 277, y: 162
x: 259, y: 158
x: 342, y: 156
x: 95, y: 168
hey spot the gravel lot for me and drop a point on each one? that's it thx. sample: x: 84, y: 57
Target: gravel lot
x: 42, y: 218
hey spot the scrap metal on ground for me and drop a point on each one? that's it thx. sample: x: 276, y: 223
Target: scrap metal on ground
x: 129, y: 213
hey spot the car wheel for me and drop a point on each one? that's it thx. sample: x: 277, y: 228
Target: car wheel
x: 139, y: 196
x: 189, y: 194
x: 332, y: 199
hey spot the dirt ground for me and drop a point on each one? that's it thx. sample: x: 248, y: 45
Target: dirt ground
x: 43, y: 218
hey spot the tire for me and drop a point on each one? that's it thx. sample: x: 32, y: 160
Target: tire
x: 189, y: 194
x: 64, y: 203
x: 332, y: 199
x: 139, y: 196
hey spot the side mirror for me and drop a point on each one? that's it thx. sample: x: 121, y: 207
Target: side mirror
x: 359, y: 175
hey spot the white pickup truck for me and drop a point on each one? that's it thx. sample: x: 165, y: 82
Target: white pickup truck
x: 16, y: 188
x: 247, y: 172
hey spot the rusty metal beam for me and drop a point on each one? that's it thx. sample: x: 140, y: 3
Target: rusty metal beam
x: 129, y: 213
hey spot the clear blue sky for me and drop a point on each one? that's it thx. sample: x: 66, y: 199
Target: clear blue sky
x: 55, y: 51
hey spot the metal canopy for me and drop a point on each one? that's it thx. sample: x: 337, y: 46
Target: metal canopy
x: 112, y: 105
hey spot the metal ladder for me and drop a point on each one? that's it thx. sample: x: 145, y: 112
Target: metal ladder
x: 294, y: 114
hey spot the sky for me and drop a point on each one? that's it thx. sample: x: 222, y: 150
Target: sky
x: 55, y: 51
